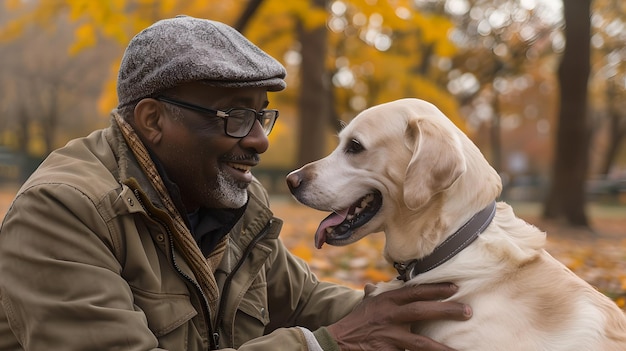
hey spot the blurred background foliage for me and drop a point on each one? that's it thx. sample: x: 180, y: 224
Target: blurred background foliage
x: 490, y: 65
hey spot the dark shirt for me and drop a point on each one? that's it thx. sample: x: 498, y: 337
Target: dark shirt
x: 209, y: 226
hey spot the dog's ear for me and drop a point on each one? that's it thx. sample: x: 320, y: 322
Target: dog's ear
x: 437, y: 161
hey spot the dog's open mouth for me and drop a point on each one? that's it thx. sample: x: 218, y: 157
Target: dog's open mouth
x: 340, y: 224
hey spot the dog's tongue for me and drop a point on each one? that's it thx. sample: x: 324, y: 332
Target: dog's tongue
x: 330, y: 221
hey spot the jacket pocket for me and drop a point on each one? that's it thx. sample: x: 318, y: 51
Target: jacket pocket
x: 165, y: 312
x: 252, y: 314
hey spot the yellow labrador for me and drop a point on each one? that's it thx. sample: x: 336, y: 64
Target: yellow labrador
x: 405, y: 169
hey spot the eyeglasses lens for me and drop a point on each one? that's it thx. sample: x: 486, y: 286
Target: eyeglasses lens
x: 239, y: 122
x: 267, y: 121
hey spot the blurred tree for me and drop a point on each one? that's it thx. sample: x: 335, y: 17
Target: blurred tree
x: 499, y: 43
x: 47, y: 96
x: 608, y: 84
x: 306, y: 26
x: 298, y: 28
x: 566, y: 198
x: 50, y: 97
x: 313, y: 101
x: 616, y: 122
x: 387, y: 51
x: 246, y: 15
x: 373, y: 53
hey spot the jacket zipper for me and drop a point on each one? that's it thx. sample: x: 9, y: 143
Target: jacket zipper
x: 229, y: 279
x: 212, y: 340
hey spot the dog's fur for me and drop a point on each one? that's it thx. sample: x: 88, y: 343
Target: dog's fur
x: 433, y: 179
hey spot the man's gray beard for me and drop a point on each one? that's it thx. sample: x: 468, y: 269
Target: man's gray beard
x: 229, y: 192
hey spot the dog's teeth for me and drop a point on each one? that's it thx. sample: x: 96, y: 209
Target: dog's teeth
x: 349, y: 217
x: 367, y: 199
x: 344, y: 227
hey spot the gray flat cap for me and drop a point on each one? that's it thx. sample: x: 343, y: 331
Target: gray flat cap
x: 184, y: 49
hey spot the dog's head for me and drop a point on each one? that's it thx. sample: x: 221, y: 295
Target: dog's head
x: 395, y: 165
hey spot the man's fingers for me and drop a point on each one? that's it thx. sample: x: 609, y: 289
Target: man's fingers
x: 383, y: 322
x: 431, y: 310
x: 422, y: 302
x: 423, y: 292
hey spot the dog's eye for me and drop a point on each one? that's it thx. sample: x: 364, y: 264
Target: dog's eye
x: 354, y: 147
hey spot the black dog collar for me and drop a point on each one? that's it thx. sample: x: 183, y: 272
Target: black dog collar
x: 450, y: 247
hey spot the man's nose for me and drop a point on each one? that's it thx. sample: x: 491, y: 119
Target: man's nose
x: 256, y: 139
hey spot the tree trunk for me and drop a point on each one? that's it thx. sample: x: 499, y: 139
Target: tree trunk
x: 617, y: 132
x: 496, y: 132
x: 566, y: 198
x: 246, y: 15
x: 313, y: 100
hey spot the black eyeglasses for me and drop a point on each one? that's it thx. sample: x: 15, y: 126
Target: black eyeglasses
x: 238, y: 122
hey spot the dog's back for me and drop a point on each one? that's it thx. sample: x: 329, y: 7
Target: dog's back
x: 523, y: 299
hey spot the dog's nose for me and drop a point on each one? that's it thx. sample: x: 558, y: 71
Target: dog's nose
x: 293, y: 180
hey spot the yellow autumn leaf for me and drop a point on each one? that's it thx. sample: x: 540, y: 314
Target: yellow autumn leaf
x: 377, y: 275
x: 314, y: 18
x: 622, y: 279
x: 108, y: 99
x: 303, y: 252
x: 13, y: 5
x: 85, y: 37
x: 12, y: 30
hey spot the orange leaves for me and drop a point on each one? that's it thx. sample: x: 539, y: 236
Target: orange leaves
x: 11, y: 30
x: 599, y: 261
x: 27, y: 17
x: 108, y: 99
x: 107, y: 17
x: 85, y: 37
x: 621, y: 302
x: 303, y: 251
x: 310, y: 16
x: 115, y: 19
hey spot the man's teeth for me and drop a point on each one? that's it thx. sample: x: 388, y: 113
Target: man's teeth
x: 243, y: 168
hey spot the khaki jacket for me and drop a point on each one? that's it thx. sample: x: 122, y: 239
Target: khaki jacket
x: 91, y: 258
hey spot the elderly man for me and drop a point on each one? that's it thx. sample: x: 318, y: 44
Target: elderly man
x: 153, y: 234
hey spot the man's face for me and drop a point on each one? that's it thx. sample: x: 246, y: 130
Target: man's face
x: 211, y: 168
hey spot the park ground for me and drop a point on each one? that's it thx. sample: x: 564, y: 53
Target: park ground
x: 598, y: 256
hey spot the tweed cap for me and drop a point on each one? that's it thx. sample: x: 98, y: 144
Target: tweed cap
x: 184, y: 49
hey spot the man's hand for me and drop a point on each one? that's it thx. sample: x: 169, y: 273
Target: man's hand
x: 383, y: 322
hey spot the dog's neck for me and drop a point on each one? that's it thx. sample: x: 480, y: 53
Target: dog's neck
x: 454, y: 244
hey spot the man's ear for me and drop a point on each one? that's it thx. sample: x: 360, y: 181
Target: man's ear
x: 148, y: 120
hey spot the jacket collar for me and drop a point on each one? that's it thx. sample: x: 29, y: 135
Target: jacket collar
x: 151, y: 182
